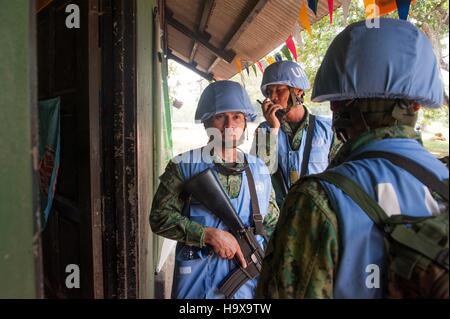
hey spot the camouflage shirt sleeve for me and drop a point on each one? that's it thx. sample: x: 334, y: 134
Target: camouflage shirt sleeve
x: 166, y: 217
x: 302, y: 254
x: 335, y: 146
x: 271, y: 219
x: 265, y: 147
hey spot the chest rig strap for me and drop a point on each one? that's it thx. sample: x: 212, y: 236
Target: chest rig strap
x: 256, y: 214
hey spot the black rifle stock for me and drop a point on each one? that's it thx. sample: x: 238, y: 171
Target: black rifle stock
x: 206, y: 189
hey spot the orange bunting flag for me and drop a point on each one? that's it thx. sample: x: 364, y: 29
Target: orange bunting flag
x: 369, y: 5
x: 270, y: 60
x: 378, y: 8
x: 330, y: 10
x: 291, y: 46
x: 386, y: 6
x: 238, y: 65
x: 303, y: 18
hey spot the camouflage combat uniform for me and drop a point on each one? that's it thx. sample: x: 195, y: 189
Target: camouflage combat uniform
x: 302, y: 257
x: 295, y: 138
x: 166, y: 216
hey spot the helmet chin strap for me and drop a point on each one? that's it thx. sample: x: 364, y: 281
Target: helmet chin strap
x: 341, y: 134
x: 294, y: 99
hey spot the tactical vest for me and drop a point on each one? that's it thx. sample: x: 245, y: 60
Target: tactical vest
x: 290, y: 161
x: 199, y: 272
x: 362, y: 267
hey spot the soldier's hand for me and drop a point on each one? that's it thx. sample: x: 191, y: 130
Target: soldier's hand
x: 269, y: 110
x: 224, y: 244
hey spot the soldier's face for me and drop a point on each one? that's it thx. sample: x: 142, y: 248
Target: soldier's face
x: 279, y: 94
x: 231, y: 126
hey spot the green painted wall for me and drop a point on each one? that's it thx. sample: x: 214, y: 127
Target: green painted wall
x: 146, y: 150
x: 17, y: 83
x: 154, y: 136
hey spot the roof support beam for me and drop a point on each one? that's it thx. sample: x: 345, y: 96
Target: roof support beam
x: 192, y: 66
x: 223, y: 54
x: 241, y: 29
x: 206, y: 13
x: 207, y: 10
x: 193, y: 52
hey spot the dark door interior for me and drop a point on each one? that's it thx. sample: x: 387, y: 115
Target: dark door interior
x: 63, y: 71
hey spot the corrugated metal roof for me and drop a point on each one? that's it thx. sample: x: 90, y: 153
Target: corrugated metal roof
x: 248, y: 29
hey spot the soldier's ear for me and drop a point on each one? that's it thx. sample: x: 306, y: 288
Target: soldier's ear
x: 208, y: 123
x: 415, y: 106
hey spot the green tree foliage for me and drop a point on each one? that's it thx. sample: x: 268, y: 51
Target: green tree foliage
x: 428, y: 15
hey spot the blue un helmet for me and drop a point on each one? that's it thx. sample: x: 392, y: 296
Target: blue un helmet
x: 284, y: 72
x: 224, y: 96
x: 394, y: 61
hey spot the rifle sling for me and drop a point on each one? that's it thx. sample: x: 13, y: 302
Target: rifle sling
x: 308, y: 145
x: 257, y: 217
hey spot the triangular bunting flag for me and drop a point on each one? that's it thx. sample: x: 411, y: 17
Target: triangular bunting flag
x: 260, y: 66
x: 345, y: 7
x: 270, y: 60
x: 367, y: 4
x: 330, y: 10
x: 254, y: 69
x: 239, y: 69
x: 297, y: 33
x: 312, y: 4
x: 238, y: 65
x: 242, y: 79
x: 246, y: 68
x: 286, y: 52
x: 278, y: 57
x: 385, y: 7
x: 403, y: 8
x: 303, y: 18
x: 291, y: 46
x: 298, y: 37
x: 372, y: 9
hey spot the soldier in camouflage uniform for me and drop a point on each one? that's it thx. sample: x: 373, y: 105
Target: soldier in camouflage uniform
x: 284, y: 134
x: 206, y: 250
x: 376, y: 80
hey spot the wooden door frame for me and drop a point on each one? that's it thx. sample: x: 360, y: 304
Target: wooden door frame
x: 119, y: 248
x: 119, y: 149
x: 94, y: 62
